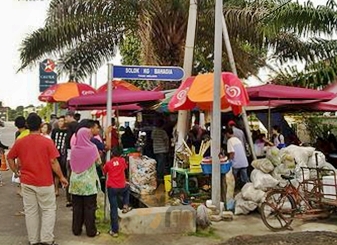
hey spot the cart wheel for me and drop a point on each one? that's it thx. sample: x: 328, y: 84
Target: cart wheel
x: 278, y: 210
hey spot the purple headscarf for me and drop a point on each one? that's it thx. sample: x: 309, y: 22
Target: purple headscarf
x: 84, y: 152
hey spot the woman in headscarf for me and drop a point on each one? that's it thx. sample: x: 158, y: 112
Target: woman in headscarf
x: 84, y: 183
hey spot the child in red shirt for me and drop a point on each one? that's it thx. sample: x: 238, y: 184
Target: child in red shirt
x: 116, y: 183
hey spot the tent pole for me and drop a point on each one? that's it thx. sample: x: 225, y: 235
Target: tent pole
x: 269, y: 121
x: 108, y: 124
x: 183, y: 116
x: 233, y: 67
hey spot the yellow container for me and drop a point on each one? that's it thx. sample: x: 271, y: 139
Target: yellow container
x: 167, y: 183
x: 195, y: 159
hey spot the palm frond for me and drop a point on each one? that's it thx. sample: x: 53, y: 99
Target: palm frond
x: 71, y: 22
x: 303, y: 19
x: 289, y: 47
x: 316, y: 76
x: 85, y: 58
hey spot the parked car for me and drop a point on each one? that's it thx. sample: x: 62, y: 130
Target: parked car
x: 2, y: 123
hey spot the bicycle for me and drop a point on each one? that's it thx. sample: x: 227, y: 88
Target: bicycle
x: 282, y: 205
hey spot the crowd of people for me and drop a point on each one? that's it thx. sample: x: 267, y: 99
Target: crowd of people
x: 67, y: 153
x: 70, y: 153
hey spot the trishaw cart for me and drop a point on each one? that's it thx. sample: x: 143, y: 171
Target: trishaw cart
x: 314, y: 197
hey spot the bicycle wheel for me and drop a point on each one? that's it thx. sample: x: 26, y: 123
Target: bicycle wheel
x: 278, y: 210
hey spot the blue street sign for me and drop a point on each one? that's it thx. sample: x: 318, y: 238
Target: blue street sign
x: 161, y: 73
x: 47, y: 75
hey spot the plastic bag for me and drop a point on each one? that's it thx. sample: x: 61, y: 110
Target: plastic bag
x: 264, y: 165
x: 320, y: 160
x: 302, y: 174
x: 142, y: 174
x: 288, y: 160
x: 273, y: 155
x: 280, y: 170
x: 202, y: 219
x: 15, y: 180
x: 242, y: 206
x: 262, y: 181
x: 249, y: 193
x: 230, y: 183
x: 301, y: 154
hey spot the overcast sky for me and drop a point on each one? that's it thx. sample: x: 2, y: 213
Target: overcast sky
x: 17, y: 18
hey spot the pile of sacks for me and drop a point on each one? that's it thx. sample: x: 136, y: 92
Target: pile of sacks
x: 142, y: 174
x: 267, y: 173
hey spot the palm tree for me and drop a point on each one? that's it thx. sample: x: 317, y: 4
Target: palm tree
x: 87, y: 33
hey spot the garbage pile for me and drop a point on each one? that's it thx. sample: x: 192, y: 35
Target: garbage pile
x: 267, y: 173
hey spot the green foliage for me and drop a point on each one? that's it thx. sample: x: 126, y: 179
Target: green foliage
x: 84, y: 34
x: 46, y: 111
x: 319, y: 126
x: 208, y: 232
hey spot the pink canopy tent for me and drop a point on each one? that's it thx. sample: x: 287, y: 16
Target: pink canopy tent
x: 119, y: 97
x: 281, y: 92
x: 128, y: 107
x: 330, y: 105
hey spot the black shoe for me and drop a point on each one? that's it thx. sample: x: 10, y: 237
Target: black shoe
x: 44, y: 243
x: 69, y: 204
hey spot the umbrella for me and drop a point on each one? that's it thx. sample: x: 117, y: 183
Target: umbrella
x: 198, y: 92
x: 120, y: 84
x: 120, y: 96
x: 62, y: 92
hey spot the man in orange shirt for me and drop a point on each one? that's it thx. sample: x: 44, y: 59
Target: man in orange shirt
x: 35, y: 171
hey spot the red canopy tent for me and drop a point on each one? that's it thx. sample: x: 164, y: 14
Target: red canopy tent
x: 330, y: 105
x: 281, y: 92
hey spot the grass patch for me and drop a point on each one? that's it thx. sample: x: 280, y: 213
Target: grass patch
x: 104, y: 226
x: 208, y: 232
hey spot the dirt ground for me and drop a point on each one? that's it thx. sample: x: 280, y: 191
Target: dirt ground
x: 302, y: 238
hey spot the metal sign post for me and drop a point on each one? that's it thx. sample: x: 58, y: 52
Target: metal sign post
x: 108, y: 124
x: 161, y: 73
x: 216, y: 111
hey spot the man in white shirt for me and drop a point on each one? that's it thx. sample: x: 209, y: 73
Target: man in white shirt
x: 237, y: 154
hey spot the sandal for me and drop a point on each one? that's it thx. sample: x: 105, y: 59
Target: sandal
x: 127, y: 209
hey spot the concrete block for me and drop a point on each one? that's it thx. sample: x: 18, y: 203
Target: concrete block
x: 158, y: 220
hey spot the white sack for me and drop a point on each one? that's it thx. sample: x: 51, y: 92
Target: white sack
x: 242, y: 206
x: 288, y: 160
x: 320, y: 160
x: 230, y: 184
x: 301, y: 154
x: 262, y: 181
x: 265, y: 165
x: 249, y: 193
x: 273, y: 155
